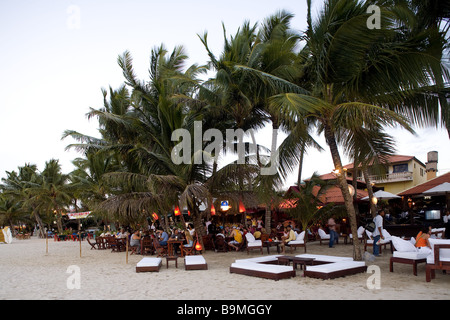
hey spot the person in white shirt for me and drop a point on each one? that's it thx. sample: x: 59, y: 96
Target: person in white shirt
x: 378, y: 232
x: 446, y: 219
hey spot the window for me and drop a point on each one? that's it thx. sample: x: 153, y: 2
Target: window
x: 400, y: 168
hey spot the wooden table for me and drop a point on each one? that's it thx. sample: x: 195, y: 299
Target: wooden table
x: 302, y: 262
x: 285, y: 260
x: 269, y: 244
x: 170, y: 247
x: 171, y: 258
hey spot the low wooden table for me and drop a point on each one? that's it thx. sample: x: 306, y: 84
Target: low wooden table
x: 285, y: 260
x: 171, y: 258
x: 302, y: 262
x: 269, y: 244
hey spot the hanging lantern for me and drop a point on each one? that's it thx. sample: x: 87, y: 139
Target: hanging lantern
x: 155, y: 216
x: 198, y: 246
x: 241, y: 207
x: 189, y: 213
x: 177, y: 211
x: 213, y: 210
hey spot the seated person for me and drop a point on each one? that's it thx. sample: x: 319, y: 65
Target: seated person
x: 163, y: 237
x: 422, y: 242
x: 286, y: 239
x: 189, y: 239
x: 236, y: 234
x: 135, y: 241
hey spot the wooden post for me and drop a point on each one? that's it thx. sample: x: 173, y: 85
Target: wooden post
x: 127, y: 249
x: 79, y: 233
x: 46, y: 241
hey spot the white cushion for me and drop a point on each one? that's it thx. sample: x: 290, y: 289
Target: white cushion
x: 256, y: 243
x: 300, y: 237
x: 369, y: 234
x: 403, y: 245
x: 296, y: 242
x: 337, y: 266
x: 271, y: 268
x: 270, y: 258
x: 149, y: 262
x: 250, y: 237
x: 410, y: 255
x: 444, y: 254
x: 324, y: 258
x: 193, y: 260
x: 323, y: 234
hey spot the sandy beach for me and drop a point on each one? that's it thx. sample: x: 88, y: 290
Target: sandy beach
x: 27, y: 272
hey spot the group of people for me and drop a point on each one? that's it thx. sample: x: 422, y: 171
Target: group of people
x: 422, y: 237
x: 160, y: 235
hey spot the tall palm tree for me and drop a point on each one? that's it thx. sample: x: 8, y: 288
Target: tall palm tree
x: 349, y: 85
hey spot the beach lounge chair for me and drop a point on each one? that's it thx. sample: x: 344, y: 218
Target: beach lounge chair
x: 387, y: 240
x: 149, y: 265
x: 195, y: 263
x: 253, y: 244
x: 323, y: 236
x: 405, y: 252
x: 360, y: 233
x: 439, y: 259
x: 298, y: 242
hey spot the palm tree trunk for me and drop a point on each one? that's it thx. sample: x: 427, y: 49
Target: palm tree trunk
x: 373, y: 208
x: 40, y: 224
x: 300, y: 165
x: 342, y: 182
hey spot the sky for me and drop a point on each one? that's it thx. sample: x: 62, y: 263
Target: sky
x: 56, y: 56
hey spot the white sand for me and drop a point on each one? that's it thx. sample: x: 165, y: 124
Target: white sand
x: 28, y: 273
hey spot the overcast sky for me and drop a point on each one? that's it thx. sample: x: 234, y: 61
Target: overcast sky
x: 57, y: 55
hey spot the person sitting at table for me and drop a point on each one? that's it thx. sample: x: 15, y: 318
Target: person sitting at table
x: 236, y: 234
x: 121, y: 233
x: 135, y: 241
x: 189, y: 239
x: 286, y: 239
x: 163, y: 237
x: 176, y: 235
x: 422, y: 242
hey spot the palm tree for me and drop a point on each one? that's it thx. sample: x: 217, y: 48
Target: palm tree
x: 309, y: 206
x: 349, y: 85
x: 16, y: 185
x: 51, y: 194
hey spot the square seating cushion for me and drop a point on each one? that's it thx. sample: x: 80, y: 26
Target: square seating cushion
x: 263, y: 259
x: 256, y: 243
x: 270, y: 268
x: 149, y: 262
x: 403, y: 245
x: 337, y: 266
x: 324, y: 258
x: 194, y: 260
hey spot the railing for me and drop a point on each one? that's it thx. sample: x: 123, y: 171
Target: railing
x: 390, y: 177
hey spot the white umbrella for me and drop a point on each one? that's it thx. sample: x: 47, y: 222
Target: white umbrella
x: 383, y: 195
x: 440, y: 189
